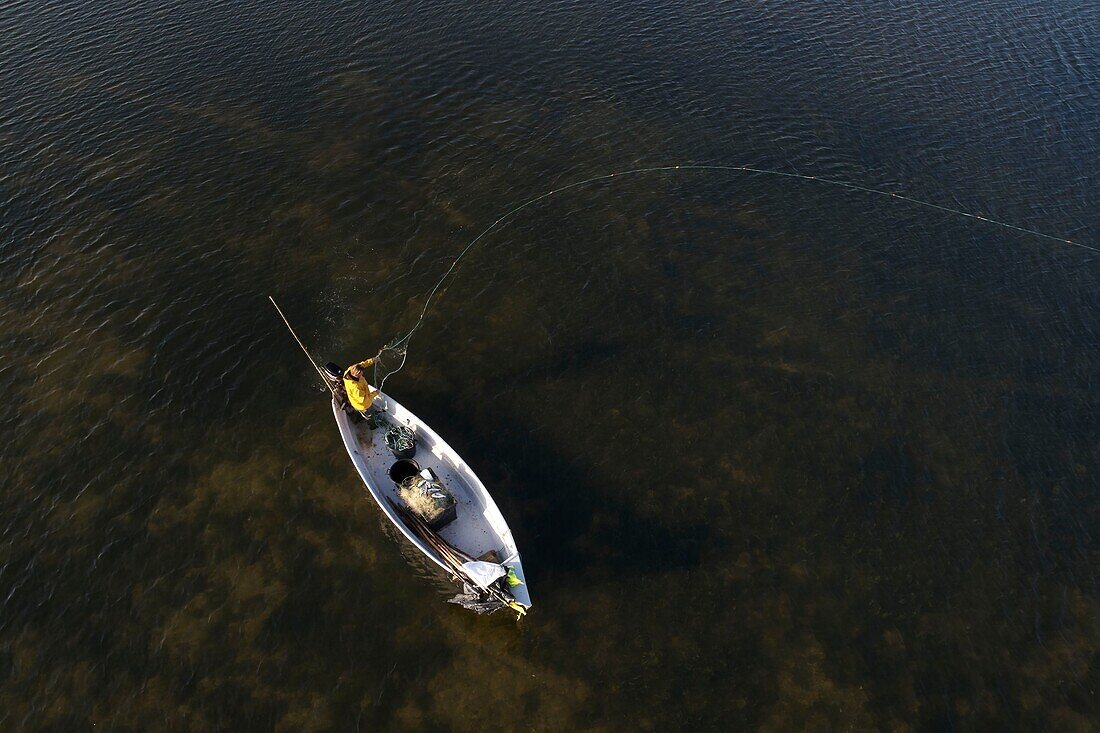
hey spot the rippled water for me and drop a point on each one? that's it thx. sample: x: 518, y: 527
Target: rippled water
x: 778, y: 456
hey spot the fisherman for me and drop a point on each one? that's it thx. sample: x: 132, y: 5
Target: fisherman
x: 360, y: 393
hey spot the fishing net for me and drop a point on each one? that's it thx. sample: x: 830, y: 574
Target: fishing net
x: 431, y: 501
x: 400, y: 439
x: 376, y: 419
x: 477, y: 600
x: 389, y: 361
x: 392, y: 357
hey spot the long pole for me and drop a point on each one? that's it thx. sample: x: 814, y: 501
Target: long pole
x: 452, y: 555
x: 320, y: 372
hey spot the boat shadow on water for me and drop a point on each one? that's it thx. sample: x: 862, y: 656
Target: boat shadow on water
x: 567, y: 526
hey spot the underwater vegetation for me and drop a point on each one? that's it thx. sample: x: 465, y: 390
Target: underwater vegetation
x: 776, y: 458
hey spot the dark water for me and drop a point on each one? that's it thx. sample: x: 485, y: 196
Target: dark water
x: 779, y: 457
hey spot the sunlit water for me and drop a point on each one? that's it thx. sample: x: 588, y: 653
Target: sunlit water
x: 778, y: 456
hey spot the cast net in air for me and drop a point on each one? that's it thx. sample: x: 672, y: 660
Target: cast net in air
x: 389, y: 361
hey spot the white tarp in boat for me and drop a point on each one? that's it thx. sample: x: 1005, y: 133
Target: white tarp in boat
x: 483, y: 573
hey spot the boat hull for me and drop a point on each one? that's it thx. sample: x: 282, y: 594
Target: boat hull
x: 479, y: 528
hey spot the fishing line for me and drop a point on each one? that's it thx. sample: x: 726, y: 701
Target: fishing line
x: 400, y: 346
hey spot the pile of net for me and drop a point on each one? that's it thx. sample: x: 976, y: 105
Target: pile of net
x: 429, y: 499
x: 400, y: 439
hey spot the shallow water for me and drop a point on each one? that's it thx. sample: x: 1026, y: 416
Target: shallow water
x: 778, y: 456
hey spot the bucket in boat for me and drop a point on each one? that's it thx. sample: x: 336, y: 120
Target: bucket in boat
x: 403, y: 469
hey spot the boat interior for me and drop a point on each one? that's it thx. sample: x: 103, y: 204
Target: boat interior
x: 474, y: 530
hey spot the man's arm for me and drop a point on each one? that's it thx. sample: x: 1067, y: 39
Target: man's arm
x: 371, y: 393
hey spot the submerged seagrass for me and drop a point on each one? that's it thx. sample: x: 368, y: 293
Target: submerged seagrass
x: 844, y: 450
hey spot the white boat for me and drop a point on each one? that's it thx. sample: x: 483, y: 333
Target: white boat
x: 478, y: 531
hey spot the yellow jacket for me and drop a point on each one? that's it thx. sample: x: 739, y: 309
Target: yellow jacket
x: 360, y: 394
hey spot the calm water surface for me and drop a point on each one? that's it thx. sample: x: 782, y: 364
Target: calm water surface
x: 779, y: 456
